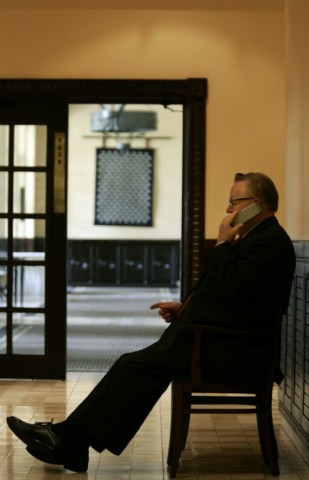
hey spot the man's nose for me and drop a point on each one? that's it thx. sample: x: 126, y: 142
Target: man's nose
x: 229, y: 209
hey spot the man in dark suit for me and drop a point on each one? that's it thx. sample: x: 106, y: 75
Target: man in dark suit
x: 239, y: 288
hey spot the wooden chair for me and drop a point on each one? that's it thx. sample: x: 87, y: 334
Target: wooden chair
x: 190, y: 392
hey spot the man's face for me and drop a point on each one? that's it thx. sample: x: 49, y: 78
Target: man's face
x: 239, y: 197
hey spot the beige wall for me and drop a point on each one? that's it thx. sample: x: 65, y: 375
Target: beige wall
x: 237, y: 44
x: 297, y: 126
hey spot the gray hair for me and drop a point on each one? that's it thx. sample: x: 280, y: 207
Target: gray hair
x: 261, y: 186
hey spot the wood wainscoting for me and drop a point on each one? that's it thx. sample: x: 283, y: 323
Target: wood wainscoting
x: 123, y: 263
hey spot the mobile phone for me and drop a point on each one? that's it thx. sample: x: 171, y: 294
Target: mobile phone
x: 247, y: 213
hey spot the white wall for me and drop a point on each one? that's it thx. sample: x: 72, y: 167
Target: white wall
x: 167, y: 176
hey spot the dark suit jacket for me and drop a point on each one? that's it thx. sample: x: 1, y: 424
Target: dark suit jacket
x: 239, y: 289
x: 241, y: 280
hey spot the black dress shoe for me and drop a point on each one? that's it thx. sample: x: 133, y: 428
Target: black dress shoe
x: 39, y: 438
x: 43, y: 444
x: 75, y: 461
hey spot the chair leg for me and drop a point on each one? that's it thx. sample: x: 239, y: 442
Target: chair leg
x: 179, y: 428
x: 185, y: 422
x: 266, y: 433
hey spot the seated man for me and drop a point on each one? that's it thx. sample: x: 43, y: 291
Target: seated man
x: 239, y: 288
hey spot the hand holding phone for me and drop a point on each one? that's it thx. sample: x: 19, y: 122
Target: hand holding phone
x: 247, y: 213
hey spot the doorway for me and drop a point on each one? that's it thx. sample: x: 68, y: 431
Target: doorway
x: 45, y: 102
x: 103, y: 266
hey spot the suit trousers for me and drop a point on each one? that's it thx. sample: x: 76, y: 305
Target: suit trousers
x: 116, y: 408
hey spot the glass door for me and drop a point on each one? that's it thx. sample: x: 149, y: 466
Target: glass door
x: 32, y: 246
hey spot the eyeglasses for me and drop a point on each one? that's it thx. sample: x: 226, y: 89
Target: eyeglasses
x: 233, y: 201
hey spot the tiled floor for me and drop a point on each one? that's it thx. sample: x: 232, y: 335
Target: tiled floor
x: 219, y: 447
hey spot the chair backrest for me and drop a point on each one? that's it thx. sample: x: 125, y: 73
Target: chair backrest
x: 283, y: 304
x: 286, y: 292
